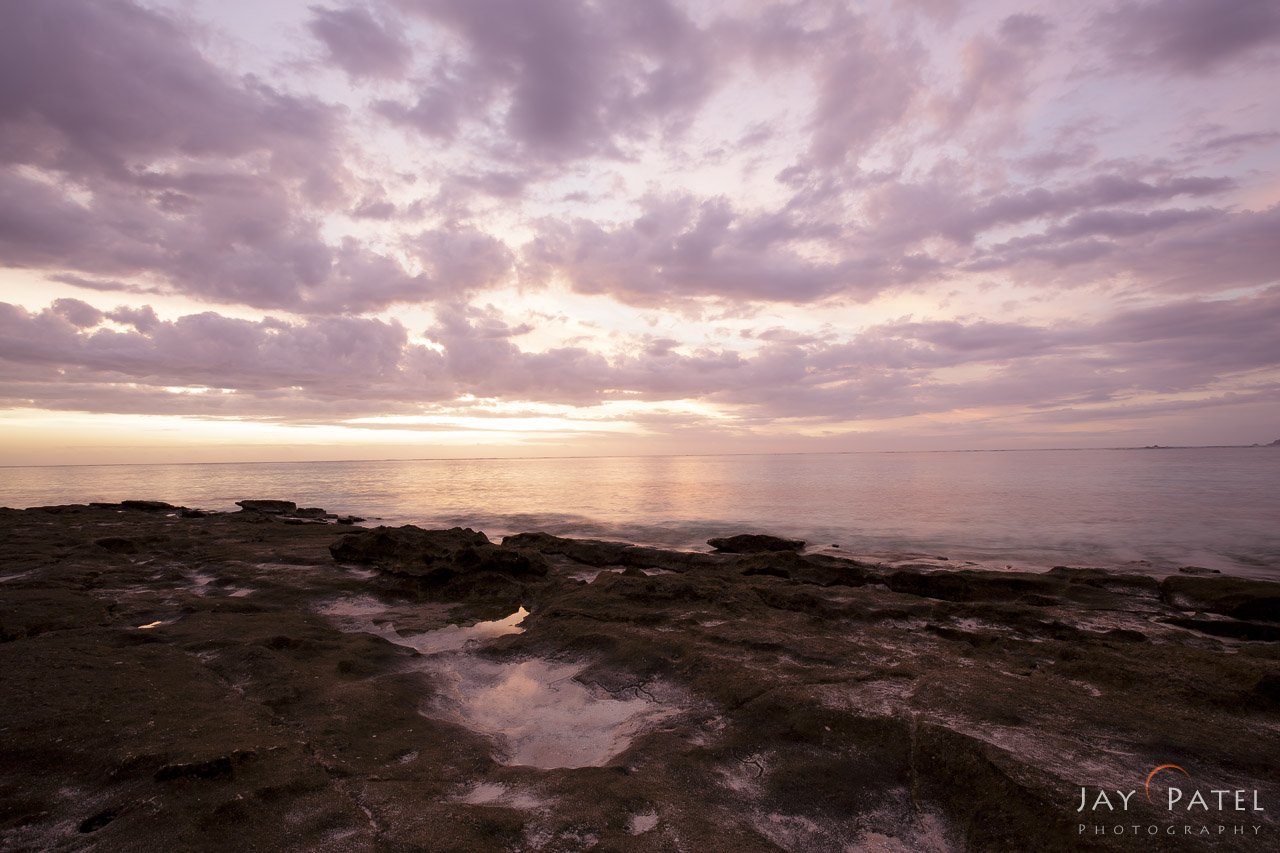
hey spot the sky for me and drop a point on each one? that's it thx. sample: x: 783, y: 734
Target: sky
x: 235, y: 230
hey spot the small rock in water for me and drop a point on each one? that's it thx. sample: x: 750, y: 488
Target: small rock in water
x: 267, y: 506
x: 754, y: 543
x: 147, y: 506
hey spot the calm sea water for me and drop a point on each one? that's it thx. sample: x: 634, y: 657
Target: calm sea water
x: 1213, y: 507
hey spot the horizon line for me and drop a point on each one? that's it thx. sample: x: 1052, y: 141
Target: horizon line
x: 638, y: 456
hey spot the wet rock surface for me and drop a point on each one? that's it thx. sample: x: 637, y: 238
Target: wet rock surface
x: 199, y: 682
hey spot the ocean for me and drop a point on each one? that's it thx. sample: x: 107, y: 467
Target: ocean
x: 1134, y: 510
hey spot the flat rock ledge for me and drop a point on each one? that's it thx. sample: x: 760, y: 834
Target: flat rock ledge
x: 177, y: 679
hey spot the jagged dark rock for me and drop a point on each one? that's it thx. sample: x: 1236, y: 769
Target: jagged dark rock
x: 1240, y: 598
x: 754, y: 543
x: 590, y: 552
x: 813, y: 569
x: 435, y: 556
x: 597, y: 553
x: 1110, y: 580
x: 973, y: 586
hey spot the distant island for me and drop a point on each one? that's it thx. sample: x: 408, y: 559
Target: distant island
x: 1275, y: 443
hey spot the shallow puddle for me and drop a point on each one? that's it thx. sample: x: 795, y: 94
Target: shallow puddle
x: 203, y: 584
x: 359, y: 572
x: 539, y: 715
x: 535, y: 711
x: 366, y: 614
x: 589, y: 575
x: 638, y: 824
x: 453, y: 637
x: 494, y: 793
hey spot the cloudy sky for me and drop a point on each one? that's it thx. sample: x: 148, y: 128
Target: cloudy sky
x: 235, y: 229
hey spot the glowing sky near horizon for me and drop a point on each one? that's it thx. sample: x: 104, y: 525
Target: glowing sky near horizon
x: 393, y: 228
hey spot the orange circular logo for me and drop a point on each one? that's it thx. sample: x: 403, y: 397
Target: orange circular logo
x: 1156, y: 770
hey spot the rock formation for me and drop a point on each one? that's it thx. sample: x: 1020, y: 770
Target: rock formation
x: 227, y: 682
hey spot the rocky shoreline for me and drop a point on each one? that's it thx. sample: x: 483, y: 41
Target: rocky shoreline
x: 281, y: 679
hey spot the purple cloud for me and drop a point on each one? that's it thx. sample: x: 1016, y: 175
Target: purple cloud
x: 865, y: 89
x: 997, y: 72
x: 1232, y: 141
x: 359, y: 43
x: 1188, y: 36
x: 681, y: 247
x: 887, y: 371
x: 159, y: 135
x: 69, y: 103
x: 1196, y: 251
x: 199, y: 183
x: 79, y: 314
x: 571, y: 79
x: 236, y: 241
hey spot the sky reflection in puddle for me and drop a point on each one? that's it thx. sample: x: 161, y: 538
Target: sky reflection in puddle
x: 539, y: 715
x: 368, y: 615
x: 493, y: 793
x: 536, y: 712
